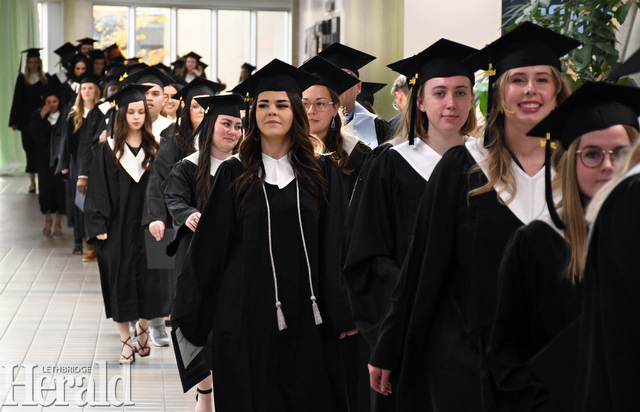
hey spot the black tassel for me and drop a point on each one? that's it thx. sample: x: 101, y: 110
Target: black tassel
x: 548, y: 189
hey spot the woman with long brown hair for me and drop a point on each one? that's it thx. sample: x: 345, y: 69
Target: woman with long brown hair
x: 113, y: 213
x: 262, y: 273
x: 434, y: 335
x: 541, y: 273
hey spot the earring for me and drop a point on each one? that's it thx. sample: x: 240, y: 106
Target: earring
x: 333, y: 123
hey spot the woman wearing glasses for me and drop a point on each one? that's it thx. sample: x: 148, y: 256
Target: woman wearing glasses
x: 540, y: 276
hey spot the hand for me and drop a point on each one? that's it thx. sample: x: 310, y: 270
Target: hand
x: 103, y: 136
x: 379, y: 380
x: 349, y: 333
x: 82, y: 185
x: 102, y: 236
x: 13, y: 128
x: 192, y: 221
x: 44, y: 111
x: 64, y: 171
x: 156, y: 228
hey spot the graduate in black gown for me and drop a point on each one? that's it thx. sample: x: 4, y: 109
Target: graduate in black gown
x: 540, y: 275
x: 113, y: 213
x: 433, y: 338
x: 27, y: 97
x: 441, y: 108
x: 262, y: 272
x: 189, y: 185
x: 75, y: 126
x: 609, y: 356
x: 322, y: 102
x: 45, y: 123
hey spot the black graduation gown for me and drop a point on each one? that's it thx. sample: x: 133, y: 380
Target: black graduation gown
x: 536, y: 302
x: 434, y: 336
x: 89, y: 139
x: 114, y: 205
x: 51, y: 190
x: 354, y: 164
x: 227, y: 286
x: 384, y: 131
x: 167, y: 156
x: 26, y: 99
x: 609, y: 358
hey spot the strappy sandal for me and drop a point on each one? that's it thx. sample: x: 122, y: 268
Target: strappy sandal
x: 124, y: 360
x: 200, y: 391
x: 57, y: 231
x: 47, y: 227
x: 144, y: 350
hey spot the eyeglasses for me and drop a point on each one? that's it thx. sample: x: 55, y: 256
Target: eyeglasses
x: 593, y: 156
x: 320, y: 106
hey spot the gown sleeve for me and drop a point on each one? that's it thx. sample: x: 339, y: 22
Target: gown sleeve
x: 331, y: 223
x: 162, y: 164
x: 178, y: 193
x: 210, y: 249
x: 370, y: 269
x: 19, y: 104
x: 97, y: 206
x: 384, y: 131
x: 513, y: 326
x: 428, y: 261
x: 62, y: 151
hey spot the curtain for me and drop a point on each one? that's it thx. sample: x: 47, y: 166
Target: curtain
x: 19, y: 31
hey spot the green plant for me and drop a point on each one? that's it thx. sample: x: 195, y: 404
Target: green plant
x: 592, y: 22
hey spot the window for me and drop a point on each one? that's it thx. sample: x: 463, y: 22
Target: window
x: 224, y: 38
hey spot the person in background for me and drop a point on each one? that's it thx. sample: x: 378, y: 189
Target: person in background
x: 192, y: 67
x: 358, y: 121
x: 245, y: 71
x: 366, y: 98
x: 85, y: 46
x: 98, y: 63
x: 400, y: 91
x: 27, y: 97
x: 44, y: 123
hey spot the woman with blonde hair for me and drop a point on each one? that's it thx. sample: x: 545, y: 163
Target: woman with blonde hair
x: 27, y: 97
x: 67, y: 155
x: 435, y: 332
x: 540, y: 275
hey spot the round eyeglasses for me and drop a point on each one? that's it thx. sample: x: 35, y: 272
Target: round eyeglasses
x: 320, y: 106
x: 593, y: 156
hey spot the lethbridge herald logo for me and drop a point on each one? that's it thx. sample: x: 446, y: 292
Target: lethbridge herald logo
x: 90, y: 385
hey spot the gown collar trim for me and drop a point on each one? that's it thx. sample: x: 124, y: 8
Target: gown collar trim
x: 132, y: 164
x: 278, y: 172
x: 420, y: 156
x: 215, y: 162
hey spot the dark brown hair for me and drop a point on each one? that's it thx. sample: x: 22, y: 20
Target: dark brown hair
x: 120, y: 131
x: 334, y: 140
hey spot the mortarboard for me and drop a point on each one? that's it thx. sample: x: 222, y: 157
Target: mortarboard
x: 203, y: 65
x: 594, y: 106
x: 329, y: 74
x: 88, y: 77
x: 96, y: 55
x: 368, y: 90
x: 192, y: 54
x: 178, y: 63
x: 129, y: 93
x: 198, y: 87
x: 32, y: 52
x: 65, y: 49
x: 250, y: 68
x: 227, y: 104
x: 346, y: 57
x: 630, y: 66
x: 86, y: 40
x: 276, y: 76
x: 148, y: 74
x: 163, y: 68
x: 444, y: 58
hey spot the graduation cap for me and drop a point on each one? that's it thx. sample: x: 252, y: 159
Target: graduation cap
x: 133, y: 60
x: 198, y: 87
x: 113, y: 67
x: 96, y: 55
x: 203, y: 64
x: 163, y: 68
x: 227, y: 104
x: 526, y: 45
x: 177, y: 80
x: 50, y: 91
x: 594, y: 106
x: 248, y: 67
x: 65, y: 49
x: 88, y: 77
x: 630, y: 66
x: 192, y: 54
x: 444, y: 58
x: 368, y: 90
x: 148, y: 74
x: 178, y: 63
x: 111, y: 47
x: 32, y: 52
x: 86, y: 40
x: 276, y: 76
x: 129, y: 93
x: 346, y: 57
x: 78, y: 57
x: 329, y: 74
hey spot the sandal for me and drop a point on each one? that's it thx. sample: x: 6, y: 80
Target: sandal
x: 206, y: 392
x: 77, y: 250
x: 124, y: 360
x: 47, y: 227
x: 57, y: 231
x: 144, y: 350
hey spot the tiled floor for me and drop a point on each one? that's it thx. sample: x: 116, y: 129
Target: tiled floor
x: 56, y: 347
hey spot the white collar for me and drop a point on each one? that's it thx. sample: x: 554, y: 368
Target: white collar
x: 529, y: 203
x: 130, y: 163
x: 278, y: 171
x: 53, y: 117
x: 159, y: 125
x: 420, y: 156
x: 349, y: 142
x: 215, y: 162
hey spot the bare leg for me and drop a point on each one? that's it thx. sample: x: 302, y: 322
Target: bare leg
x: 47, y: 223
x: 143, y: 337
x: 204, y: 400
x: 127, y: 355
x: 58, y: 226
x: 32, y: 182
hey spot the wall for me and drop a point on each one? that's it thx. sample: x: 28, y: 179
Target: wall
x: 373, y: 26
